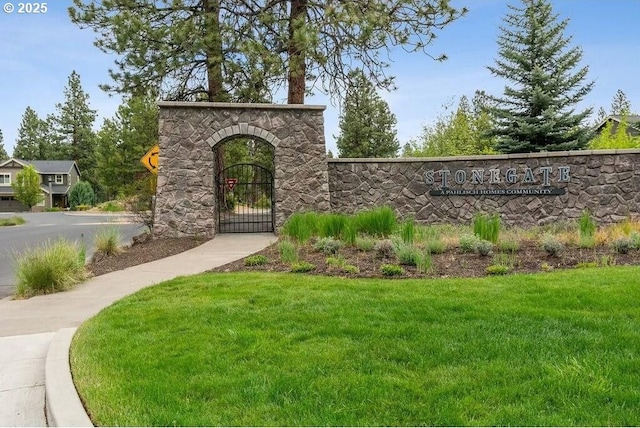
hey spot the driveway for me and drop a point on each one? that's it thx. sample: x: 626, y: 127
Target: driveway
x: 42, y: 227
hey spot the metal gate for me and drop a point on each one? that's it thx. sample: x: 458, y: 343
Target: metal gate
x: 245, y: 199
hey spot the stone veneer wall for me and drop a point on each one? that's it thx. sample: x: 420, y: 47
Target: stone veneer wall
x: 607, y: 182
x: 185, y: 202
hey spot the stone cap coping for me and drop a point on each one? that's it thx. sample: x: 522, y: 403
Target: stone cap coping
x: 490, y: 157
x: 260, y: 106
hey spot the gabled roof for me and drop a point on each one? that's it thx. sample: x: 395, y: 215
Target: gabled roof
x: 633, y: 121
x: 47, y: 166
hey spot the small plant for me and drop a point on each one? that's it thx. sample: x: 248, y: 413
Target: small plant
x: 82, y: 207
x: 301, y: 227
x: 435, y: 246
x: 408, y: 231
x: 587, y: 241
x: 288, y: 251
x: 504, y: 259
x: 12, y: 221
x: 486, y: 227
x: 302, y: 267
x: 340, y: 263
x: 635, y: 240
x: 622, y: 245
x: 50, y: 268
x: 380, y: 222
x: 586, y: 265
x: 468, y: 242
x: 497, y: 270
x: 255, y: 260
x: 424, y: 262
x: 509, y: 245
x: 107, y: 241
x: 406, y: 254
x: 365, y: 244
x: 607, y: 261
x: 350, y: 269
x: 551, y: 245
x: 391, y: 270
x: 546, y: 267
x: 328, y: 245
x: 384, y: 248
x: 483, y: 247
x: 586, y: 225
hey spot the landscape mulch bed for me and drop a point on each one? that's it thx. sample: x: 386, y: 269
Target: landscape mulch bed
x: 529, y: 258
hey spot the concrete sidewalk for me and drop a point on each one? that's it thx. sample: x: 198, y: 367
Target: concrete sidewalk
x: 27, y: 327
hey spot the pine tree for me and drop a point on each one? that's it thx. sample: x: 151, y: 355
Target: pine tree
x: 620, y: 105
x: 367, y: 126
x: 3, y: 152
x: 32, y: 142
x: 537, y: 112
x: 218, y: 49
x: 73, y: 126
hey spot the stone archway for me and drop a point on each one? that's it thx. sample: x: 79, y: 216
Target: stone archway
x: 185, y: 202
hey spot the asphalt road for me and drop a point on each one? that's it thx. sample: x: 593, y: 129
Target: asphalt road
x: 43, y: 227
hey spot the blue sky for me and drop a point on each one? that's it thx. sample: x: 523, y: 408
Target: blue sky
x: 39, y: 52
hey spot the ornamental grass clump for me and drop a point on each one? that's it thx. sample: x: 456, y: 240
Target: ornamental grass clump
x: 486, y: 227
x: 587, y: 228
x: 380, y: 222
x: 551, y: 245
x: 49, y: 268
x: 406, y: 254
x: 301, y: 227
x: 107, y: 241
x: 288, y: 251
x: 408, y: 231
x: 332, y: 225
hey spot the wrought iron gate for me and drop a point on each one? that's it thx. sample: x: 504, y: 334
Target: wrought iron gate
x: 245, y: 199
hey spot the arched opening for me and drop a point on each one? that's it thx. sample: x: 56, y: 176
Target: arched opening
x: 244, y: 182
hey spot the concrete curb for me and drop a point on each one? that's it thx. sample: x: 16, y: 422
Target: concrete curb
x: 62, y: 403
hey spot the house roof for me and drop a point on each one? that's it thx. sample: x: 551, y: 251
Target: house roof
x: 633, y: 121
x: 47, y: 166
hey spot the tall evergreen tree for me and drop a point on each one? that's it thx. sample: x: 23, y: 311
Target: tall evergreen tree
x: 215, y: 49
x: 3, y: 152
x: 537, y: 111
x: 122, y: 141
x: 73, y: 126
x: 620, y: 104
x: 367, y: 126
x: 32, y: 142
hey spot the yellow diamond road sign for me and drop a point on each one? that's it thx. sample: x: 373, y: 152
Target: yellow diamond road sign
x: 150, y: 160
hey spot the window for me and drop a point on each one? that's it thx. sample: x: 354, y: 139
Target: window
x: 59, y: 179
x: 5, y: 179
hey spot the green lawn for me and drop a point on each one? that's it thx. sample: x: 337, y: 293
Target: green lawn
x: 283, y: 349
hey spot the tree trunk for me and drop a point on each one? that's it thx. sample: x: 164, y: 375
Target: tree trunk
x: 296, y: 50
x: 214, y: 50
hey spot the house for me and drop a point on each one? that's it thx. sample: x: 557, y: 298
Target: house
x: 632, y: 120
x: 57, y: 177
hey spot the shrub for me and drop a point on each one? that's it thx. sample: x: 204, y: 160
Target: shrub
x: 424, y: 263
x: 391, y: 270
x: 301, y: 227
x: 11, y: 221
x: 384, y: 248
x: 50, y: 268
x: 483, y: 247
x: 486, y: 227
x: 379, y: 222
x: 82, y: 194
x: 622, y: 245
x: 340, y: 263
x: 328, y: 245
x: 107, y: 241
x: 586, y: 225
x: 435, y: 246
x: 635, y: 240
x: 288, y: 251
x: 302, y: 267
x: 468, y: 242
x: 551, y: 245
x: 365, y: 244
x: 255, y: 260
x: 497, y: 270
x: 111, y: 206
x: 408, y: 231
x: 331, y: 225
x: 406, y: 254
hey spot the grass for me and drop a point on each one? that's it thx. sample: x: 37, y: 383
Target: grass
x: 49, y: 268
x: 11, y: 221
x: 107, y: 241
x: 249, y: 349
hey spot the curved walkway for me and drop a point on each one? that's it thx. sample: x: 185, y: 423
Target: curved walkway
x: 27, y: 327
